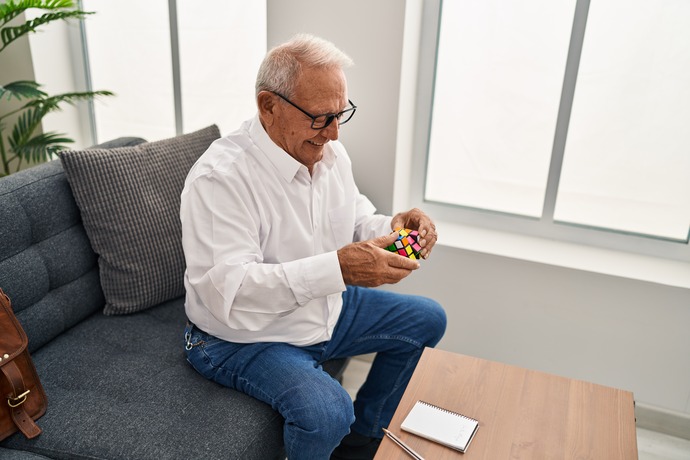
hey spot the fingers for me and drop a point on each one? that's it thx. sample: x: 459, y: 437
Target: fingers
x: 385, y: 241
x: 398, y: 267
x: 428, y: 238
x: 392, y: 259
x: 416, y: 219
x: 366, y: 263
x: 396, y: 261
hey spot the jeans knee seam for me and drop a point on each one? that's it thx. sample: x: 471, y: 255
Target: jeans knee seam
x: 400, y: 338
x: 377, y: 418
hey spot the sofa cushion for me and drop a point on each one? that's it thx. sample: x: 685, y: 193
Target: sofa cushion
x: 47, y: 266
x: 129, y: 199
x: 119, y: 387
x: 11, y: 454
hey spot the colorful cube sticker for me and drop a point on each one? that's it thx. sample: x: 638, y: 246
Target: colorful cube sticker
x: 407, y: 244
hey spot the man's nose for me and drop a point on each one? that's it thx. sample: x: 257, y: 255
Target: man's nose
x: 331, y: 131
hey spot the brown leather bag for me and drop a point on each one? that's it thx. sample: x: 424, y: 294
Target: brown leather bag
x: 22, y: 397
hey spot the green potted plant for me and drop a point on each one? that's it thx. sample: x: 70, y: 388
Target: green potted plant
x: 23, y: 141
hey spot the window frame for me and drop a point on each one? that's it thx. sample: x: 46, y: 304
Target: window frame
x: 545, y: 227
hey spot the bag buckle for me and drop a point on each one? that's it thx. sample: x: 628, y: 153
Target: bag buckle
x: 17, y: 401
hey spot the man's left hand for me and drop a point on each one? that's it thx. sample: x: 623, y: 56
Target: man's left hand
x: 416, y: 219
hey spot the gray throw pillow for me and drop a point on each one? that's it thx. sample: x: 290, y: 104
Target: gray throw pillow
x: 129, y: 198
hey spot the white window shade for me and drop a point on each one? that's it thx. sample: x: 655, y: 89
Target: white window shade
x: 498, y: 83
x: 129, y: 54
x: 221, y: 44
x: 627, y: 159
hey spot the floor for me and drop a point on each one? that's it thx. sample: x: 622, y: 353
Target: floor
x: 651, y: 445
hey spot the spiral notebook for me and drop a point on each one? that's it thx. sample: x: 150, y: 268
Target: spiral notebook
x: 440, y: 425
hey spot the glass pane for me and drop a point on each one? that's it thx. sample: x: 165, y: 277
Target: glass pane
x: 222, y: 43
x: 129, y: 52
x: 499, y: 77
x: 627, y: 159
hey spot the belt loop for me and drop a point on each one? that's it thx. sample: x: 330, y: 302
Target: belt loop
x: 188, y: 345
x: 188, y: 336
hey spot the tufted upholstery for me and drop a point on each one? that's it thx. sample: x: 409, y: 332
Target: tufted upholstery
x: 45, y: 257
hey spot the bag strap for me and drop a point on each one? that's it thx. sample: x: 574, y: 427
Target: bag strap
x: 15, y: 341
x: 16, y: 401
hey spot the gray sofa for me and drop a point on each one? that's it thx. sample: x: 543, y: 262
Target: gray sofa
x: 117, y: 381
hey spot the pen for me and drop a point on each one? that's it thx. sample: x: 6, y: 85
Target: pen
x: 404, y: 446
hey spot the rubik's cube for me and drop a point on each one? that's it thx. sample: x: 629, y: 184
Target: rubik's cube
x: 407, y: 244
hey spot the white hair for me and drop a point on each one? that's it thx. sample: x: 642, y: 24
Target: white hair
x: 283, y: 64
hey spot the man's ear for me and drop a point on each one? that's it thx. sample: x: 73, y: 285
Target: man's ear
x: 266, y: 103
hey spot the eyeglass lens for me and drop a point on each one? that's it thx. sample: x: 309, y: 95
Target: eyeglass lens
x: 323, y: 121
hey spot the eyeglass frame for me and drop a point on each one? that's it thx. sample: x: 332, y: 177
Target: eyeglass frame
x: 329, y: 116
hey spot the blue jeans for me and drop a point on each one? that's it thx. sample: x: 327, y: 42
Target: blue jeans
x: 318, y: 412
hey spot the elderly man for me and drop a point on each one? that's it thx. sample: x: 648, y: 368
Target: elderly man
x: 282, y: 254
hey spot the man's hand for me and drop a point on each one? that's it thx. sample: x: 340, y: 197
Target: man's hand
x: 368, y: 264
x: 416, y: 219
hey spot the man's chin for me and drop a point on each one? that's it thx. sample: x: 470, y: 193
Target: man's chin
x: 315, y: 151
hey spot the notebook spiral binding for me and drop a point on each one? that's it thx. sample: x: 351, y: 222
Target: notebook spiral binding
x: 447, y: 411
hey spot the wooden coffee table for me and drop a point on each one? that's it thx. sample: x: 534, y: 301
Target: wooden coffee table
x: 523, y: 414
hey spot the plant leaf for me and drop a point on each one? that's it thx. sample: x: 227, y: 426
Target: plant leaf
x: 23, y: 89
x: 30, y: 147
x: 11, y: 8
x: 8, y: 34
x: 51, y: 103
x: 24, y: 127
x: 41, y: 147
x: 22, y: 140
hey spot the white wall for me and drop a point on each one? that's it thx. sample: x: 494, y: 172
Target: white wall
x: 609, y: 330
x: 371, y: 34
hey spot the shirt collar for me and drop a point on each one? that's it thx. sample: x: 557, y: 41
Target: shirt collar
x: 281, y: 160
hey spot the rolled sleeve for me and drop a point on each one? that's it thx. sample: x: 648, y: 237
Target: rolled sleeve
x: 314, y: 277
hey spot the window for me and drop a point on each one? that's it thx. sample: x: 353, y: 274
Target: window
x: 626, y: 164
x: 497, y: 89
x: 175, y: 66
x: 559, y: 119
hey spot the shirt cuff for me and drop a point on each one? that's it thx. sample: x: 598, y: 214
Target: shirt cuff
x: 314, y: 277
x: 374, y: 227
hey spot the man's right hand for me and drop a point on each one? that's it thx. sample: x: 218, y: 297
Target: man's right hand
x: 369, y: 264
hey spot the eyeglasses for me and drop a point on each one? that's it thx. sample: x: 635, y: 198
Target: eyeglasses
x: 323, y: 120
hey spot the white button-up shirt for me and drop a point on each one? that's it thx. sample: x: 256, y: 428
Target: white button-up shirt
x: 260, y: 236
